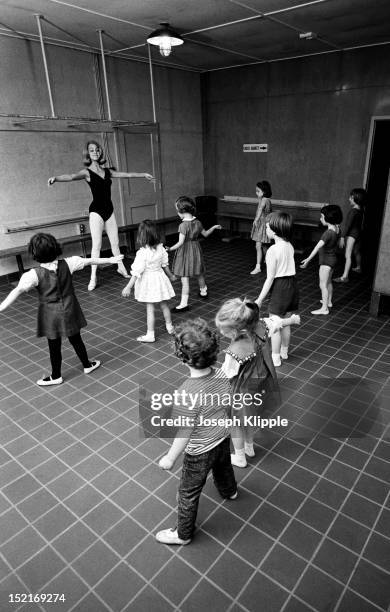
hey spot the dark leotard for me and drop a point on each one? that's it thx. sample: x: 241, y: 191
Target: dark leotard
x: 101, y: 192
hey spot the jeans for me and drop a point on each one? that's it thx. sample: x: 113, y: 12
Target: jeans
x: 193, y: 478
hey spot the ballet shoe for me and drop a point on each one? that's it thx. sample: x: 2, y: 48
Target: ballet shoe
x: 256, y: 270
x: 92, y: 284
x: 124, y: 273
x: 146, y: 338
x: 177, y: 309
x: 320, y: 311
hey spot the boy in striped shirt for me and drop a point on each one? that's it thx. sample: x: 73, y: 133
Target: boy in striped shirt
x: 206, y: 447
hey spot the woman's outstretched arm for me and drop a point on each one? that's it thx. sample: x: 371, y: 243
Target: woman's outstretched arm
x: 65, y: 178
x: 145, y: 175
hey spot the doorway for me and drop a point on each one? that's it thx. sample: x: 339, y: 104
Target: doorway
x: 375, y: 180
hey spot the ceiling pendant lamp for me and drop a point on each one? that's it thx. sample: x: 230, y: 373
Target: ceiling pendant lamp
x: 165, y: 38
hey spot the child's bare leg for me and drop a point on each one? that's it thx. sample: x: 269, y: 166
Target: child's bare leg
x: 276, y: 342
x: 202, y: 286
x: 249, y: 433
x: 167, y: 316
x: 350, y: 241
x: 149, y: 337
x: 285, y: 332
x: 238, y: 459
x: 330, y: 289
x: 358, y: 257
x: 259, y: 257
x: 185, y: 293
x: 324, y: 278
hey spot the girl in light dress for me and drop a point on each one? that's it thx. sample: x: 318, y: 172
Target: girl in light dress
x: 259, y: 234
x: 150, y: 276
x: 188, y: 259
x: 249, y: 366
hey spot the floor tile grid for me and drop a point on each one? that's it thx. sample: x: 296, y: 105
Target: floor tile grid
x: 111, y: 526
x: 340, y: 374
x: 337, y: 514
x: 248, y: 522
x: 141, y: 470
x: 346, y: 344
x: 361, y: 556
x: 99, y: 537
x: 277, y: 540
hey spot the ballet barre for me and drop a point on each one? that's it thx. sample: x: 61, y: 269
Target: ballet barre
x: 129, y: 230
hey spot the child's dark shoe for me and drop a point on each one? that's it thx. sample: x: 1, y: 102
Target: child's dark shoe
x: 94, y: 365
x: 170, y: 536
x: 178, y: 309
x: 45, y: 382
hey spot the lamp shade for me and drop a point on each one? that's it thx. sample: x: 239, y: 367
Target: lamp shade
x: 165, y: 38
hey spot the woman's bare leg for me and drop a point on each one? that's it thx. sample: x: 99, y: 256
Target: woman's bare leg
x: 113, y: 236
x: 96, y: 225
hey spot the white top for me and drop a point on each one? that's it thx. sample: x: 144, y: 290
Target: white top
x: 280, y: 257
x: 29, y: 279
x: 148, y: 258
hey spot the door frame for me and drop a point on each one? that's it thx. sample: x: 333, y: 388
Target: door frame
x: 371, y: 135
x: 153, y: 130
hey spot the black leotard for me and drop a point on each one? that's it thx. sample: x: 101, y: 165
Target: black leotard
x: 101, y: 192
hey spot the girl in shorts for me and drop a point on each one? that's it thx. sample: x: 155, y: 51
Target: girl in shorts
x: 331, y: 217
x: 281, y: 282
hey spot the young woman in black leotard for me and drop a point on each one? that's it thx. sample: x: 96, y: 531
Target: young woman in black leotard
x: 101, y: 210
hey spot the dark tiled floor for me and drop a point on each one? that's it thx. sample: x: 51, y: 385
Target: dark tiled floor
x: 82, y: 494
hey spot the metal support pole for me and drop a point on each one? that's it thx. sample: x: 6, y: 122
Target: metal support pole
x: 152, y: 84
x: 100, y: 32
x: 151, y: 135
x: 38, y: 18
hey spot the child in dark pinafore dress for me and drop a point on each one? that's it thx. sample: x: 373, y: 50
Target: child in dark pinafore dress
x: 59, y: 312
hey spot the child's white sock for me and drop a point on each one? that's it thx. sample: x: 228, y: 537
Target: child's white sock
x: 203, y: 290
x: 284, y: 352
x: 238, y: 459
x: 149, y: 337
x: 170, y: 328
x: 184, y: 300
x: 276, y: 359
x: 249, y: 450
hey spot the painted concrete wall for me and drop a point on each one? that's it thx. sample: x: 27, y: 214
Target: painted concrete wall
x: 30, y: 158
x: 314, y: 113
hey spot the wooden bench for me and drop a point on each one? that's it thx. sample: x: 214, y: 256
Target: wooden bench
x: 129, y: 230
x: 241, y: 211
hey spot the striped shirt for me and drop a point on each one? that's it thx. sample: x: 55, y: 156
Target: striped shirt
x: 209, y: 398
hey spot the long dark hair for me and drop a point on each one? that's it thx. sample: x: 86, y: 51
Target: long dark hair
x: 265, y: 187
